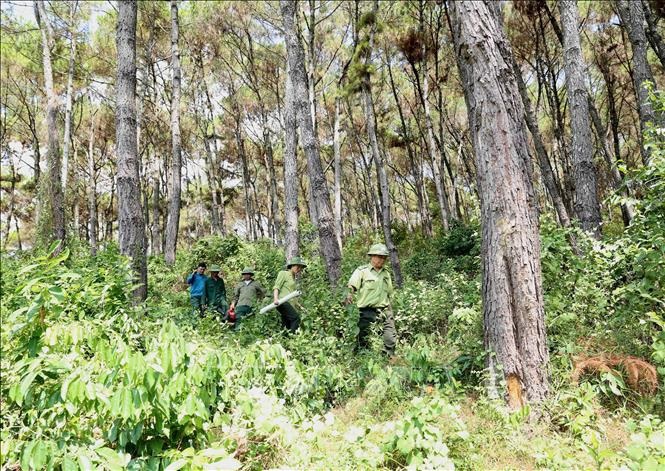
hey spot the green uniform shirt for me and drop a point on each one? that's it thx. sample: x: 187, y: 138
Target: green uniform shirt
x: 215, y: 292
x: 246, y: 294
x: 374, y: 287
x: 285, y: 283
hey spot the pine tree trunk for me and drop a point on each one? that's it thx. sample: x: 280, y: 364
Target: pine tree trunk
x: 173, y: 217
x: 272, y: 181
x: 130, y: 215
x: 586, y: 203
x: 329, y: 248
x: 384, y: 190
x: 513, y: 309
x: 632, y: 18
x: 51, y: 226
x: 291, y: 231
x: 653, y: 35
x: 543, y: 161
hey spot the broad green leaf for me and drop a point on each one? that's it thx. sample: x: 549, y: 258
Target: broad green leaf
x: 26, y: 382
x: 69, y: 464
x: 405, y: 445
x: 226, y: 464
x: 176, y: 465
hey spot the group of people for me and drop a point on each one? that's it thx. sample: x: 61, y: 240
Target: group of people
x: 370, y: 284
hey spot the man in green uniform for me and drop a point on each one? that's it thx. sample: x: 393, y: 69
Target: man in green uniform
x: 245, y: 295
x: 215, y: 292
x: 286, y: 283
x: 375, y: 288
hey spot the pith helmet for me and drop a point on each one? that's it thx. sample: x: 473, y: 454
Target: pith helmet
x: 378, y: 249
x: 296, y: 261
x: 215, y: 268
x: 247, y: 271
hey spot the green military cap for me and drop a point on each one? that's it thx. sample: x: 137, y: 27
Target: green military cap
x: 296, y: 261
x: 215, y: 268
x: 378, y: 249
x: 247, y: 271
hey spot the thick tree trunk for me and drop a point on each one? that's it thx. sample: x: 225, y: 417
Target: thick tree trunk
x: 291, y: 231
x: 512, y: 292
x: 173, y: 216
x: 52, y: 212
x: 130, y: 215
x: 329, y: 248
x: 68, y: 99
x: 92, y: 189
x: 586, y: 203
x: 632, y: 18
x: 370, y: 119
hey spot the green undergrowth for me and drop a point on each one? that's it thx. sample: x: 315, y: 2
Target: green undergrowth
x: 91, y: 382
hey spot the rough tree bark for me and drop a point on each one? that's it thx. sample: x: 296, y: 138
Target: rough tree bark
x: 632, y: 18
x: 130, y: 215
x: 370, y: 119
x: 329, y: 248
x: 586, y: 203
x: 291, y: 232
x: 173, y: 217
x: 51, y: 224
x: 513, y: 309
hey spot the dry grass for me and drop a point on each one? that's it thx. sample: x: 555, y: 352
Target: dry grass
x: 640, y: 375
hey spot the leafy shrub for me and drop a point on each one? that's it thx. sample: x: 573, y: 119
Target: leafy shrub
x: 420, y: 440
x: 213, y: 249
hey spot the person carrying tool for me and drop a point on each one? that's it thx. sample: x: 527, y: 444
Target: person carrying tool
x: 375, y: 288
x: 286, y: 283
x: 245, y: 294
x: 215, y: 292
x: 196, y: 282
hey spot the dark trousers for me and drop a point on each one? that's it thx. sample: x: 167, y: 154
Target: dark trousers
x: 369, y: 315
x: 290, y: 317
x: 197, y: 304
x: 241, y: 311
